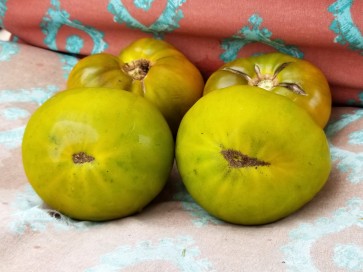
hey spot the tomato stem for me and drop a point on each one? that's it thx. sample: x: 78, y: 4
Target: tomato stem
x: 236, y: 159
x: 82, y: 157
x: 137, y: 69
x: 268, y: 81
x: 266, y: 84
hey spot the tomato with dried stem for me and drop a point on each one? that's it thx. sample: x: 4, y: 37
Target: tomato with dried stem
x: 97, y: 153
x: 298, y: 79
x: 251, y: 157
x: 148, y: 67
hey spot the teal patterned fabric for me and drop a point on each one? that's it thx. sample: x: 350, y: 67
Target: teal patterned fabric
x: 168, y: 20
x: 252, y: 34
x: 2, y: 12
x: 174, y: 233
x: 344, y: 26
x: 56, y: 18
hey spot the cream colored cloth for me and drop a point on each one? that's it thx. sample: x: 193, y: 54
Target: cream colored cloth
x: 173, y: 233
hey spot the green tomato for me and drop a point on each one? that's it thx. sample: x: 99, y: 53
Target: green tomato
x: 148, y: 67
x: 250, y: 157
x: 299, y: 80
x: 97, y: 153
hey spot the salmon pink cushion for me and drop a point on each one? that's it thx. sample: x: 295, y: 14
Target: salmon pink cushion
x: 327, y: 33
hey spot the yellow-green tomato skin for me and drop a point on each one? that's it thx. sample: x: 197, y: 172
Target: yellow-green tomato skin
x: 171, y: 81
x: 129, y: 140
x: 289, y: 158
x: 98, y: 70
x: 316, y: 99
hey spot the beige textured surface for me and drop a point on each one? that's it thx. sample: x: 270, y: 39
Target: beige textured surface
x: 173, y: 233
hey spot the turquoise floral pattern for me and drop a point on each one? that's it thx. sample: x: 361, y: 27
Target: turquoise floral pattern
x: 343, y: 25
x: 348, y: 161
x: 255, y: 33
x: 68, y: 63
x: 74, y: 44
x: 3, y: 9
x: 30, y: 213
x: 349, y: 257
x: 143, y: 4
x: 358, y: 101
x: 301, y: 239
x: 356, y: 138
x: 14, y: 113
x: 11, y: 138
x: 201, y: 217
x: 56, y: 18
x: 181, y: 252
x: 167, y: 21
x: 8, y: 50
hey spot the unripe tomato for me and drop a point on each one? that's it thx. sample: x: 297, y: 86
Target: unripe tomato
x: 148, y: 67
x: 297, y: 79
x: 250, y: 157
x: 97, y: 153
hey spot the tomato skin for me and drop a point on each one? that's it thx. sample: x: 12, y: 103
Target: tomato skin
x: 96, y: 153
x: 295, y: 77
x: 169, y: 80
x: 98, y: 70
x: 250, y: 157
